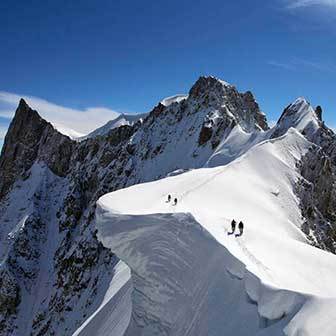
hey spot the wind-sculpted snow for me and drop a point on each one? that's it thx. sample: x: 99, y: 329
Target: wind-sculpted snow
x: 192, y: 276
x: 112, y: 317
x: 181, y: 286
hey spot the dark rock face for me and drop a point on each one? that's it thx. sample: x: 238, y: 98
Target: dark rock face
x: 30, y: 137
x: 59, y: 229
x: 9, y: 299
x: 317, y: 191
x: 318, y: 112
x: 205, y: 135
x: 220, y: 95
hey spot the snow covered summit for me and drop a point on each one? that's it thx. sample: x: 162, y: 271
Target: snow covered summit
x: 300, y: 115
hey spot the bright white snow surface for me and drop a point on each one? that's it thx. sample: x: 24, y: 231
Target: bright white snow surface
x: 173, y: 99
x: 191, y: 276
x: 113, y: 315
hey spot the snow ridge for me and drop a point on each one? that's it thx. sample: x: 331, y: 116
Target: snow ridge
x: 193, y: 240
x: 216, y: 146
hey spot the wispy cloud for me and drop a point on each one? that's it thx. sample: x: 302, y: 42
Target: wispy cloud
x: 3, y: 130
x: 297, y: 4
x: 286, y: 66
x: 298, y: 64
x: 81, y: 121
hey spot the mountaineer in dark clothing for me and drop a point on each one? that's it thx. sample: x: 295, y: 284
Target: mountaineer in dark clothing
x: 169, y: 198
x: 241, y: 228
x: 233, y: 225
x: 175, y: 201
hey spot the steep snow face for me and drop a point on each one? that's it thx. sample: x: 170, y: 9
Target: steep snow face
x: 236, y: 144
x: 122, y: 120
x: 113, y: 316
x: 14, y: 216
x: 162, y: 244
x: 179, y: 286
x: 28, y: 240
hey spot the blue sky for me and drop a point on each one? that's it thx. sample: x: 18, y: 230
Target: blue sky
x: 89, y: 59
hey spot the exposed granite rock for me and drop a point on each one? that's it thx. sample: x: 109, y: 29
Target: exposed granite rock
x: 318, y: 112
x: 29, y: 138
x: 317, y: 190
x: 242, y: 107
x: 9, y: 301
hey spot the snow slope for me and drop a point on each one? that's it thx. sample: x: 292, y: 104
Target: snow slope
x: 193, y: 277
x: 173, y: 99
x: 114, y: 313
x: 236, y: 144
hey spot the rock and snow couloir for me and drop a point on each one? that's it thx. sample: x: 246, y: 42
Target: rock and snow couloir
x: 185, y: 274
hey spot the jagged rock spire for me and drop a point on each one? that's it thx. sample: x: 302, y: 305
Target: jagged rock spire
x: 22, y: 146
x: 242, y: 107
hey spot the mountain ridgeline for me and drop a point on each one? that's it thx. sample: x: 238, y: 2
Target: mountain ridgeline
x: 53, y: 270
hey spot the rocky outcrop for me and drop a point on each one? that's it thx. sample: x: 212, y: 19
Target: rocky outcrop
x: 30, y: 138
x: 318, y: 112
x: 241, y: 107
x: 317, y: 191
x: 9, y: 299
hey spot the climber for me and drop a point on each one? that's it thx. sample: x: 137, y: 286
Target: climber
x: 169, y: 198
x: 241, y: 228
x: 233, y: 226
x: 175, y: 201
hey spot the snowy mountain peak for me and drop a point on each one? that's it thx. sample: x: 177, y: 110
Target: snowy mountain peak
x: 301, y: 108
x: 212, y: 93
x: 206, y: 84
x: 300, y: 115
x: 122, y: 120
x: 30, y: 137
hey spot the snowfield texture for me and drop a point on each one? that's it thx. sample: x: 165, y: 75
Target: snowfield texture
x: 192, y: 276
